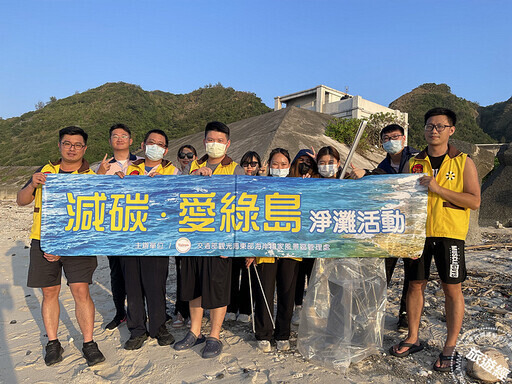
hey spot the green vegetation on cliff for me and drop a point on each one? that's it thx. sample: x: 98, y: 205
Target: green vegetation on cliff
x: 496, y: 120
x: 431, y: 95
x: 31, y: 139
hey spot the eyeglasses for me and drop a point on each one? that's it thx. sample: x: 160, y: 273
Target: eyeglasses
x: 394, y: 137
x: 152, y: 142
x: 188, y: 155
x: 438, y: 127
x: 124, y: 137
x: 68, y: 145
x: 251, y: 163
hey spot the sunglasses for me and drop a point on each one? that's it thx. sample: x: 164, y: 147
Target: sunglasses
x: 251, y: 163
x: 189, y: 155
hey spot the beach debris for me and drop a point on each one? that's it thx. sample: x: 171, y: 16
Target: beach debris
x: 13, y: 322
x: 423, y: 373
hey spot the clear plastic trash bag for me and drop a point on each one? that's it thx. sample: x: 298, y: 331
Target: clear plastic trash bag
x: 342, y: 320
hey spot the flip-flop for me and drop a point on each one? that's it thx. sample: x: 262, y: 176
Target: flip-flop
x: 452, y: 358
x: 413, y: 348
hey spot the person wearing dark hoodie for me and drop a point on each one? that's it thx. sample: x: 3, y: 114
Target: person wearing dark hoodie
x: 396, y: 161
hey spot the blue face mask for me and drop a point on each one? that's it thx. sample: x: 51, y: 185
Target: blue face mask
x: 393, y: 146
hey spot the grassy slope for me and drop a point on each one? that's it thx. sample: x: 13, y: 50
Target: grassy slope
x: 31, y: 138
x: 428, y: 96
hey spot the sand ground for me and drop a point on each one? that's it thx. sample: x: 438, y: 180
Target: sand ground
x: 488, y: 292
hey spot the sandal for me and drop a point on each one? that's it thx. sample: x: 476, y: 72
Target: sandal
x: 212, y: 348
x: 189, y: 341
x: 451, y: 358
x: 413, y: 348
x: 179, y: 322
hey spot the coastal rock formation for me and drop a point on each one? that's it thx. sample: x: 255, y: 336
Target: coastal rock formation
x: 497, y: 192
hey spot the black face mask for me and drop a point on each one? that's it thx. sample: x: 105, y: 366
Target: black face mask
x: 304, y: 168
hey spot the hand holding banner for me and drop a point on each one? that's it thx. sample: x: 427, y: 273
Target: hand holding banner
x: 377, y: 216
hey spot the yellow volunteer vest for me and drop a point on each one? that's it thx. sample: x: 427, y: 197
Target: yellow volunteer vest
x: 444, y: 219
x: 226, y: 167
x: 51, y: 167
x: 138, y: 167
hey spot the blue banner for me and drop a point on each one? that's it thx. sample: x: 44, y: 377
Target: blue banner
x: 376, y: 216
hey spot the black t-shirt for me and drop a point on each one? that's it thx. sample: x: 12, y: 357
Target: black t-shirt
x: 436, y: 163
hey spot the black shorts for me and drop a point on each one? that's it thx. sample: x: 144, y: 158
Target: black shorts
x: 208, y: 277
x: 43, y: 273
x: 449, y: 257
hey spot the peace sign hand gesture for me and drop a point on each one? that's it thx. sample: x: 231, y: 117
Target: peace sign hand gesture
x: 104, y: 165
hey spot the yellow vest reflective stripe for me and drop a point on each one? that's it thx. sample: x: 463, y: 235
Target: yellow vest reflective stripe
x: 445, y: 219
x: 35, y: 233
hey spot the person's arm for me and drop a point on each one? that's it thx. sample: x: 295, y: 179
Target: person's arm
x: 26, y: 194
x: 469, y: 198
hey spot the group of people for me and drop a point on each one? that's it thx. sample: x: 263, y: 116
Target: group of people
x: 221, y: 284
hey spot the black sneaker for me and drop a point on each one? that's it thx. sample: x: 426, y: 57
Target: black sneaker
x: 402, y: 321
x: 164, y: 337
x: 53, y: 352
x: 118, y: 320
x: 135, y: 342
x: 92, y: 353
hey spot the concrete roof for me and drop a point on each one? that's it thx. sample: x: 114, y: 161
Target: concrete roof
x: 310, y: 91
x: 290, y: 128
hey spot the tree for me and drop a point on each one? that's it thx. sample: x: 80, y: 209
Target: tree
x: 377, y: 122
x: 39, y: 105
x: 344, y: 130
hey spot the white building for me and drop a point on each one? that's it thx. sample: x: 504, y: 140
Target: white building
x: 339, y: 104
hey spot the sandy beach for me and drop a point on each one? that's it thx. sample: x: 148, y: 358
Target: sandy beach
x: 487, y: 291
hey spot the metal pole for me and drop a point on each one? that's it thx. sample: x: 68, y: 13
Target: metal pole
x: 359, y: 133
x: 264, y: 297
x: 250, y: 293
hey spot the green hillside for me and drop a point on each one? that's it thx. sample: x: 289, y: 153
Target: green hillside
x: 496, y: 120
x: 31, y: 139
x: 431, y: 95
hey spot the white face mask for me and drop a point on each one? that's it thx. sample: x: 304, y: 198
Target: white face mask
x: 154, y: 152
x: 327, y: 170
x: 283, y: 172
x: 215, y: 150
x: 393, y: 146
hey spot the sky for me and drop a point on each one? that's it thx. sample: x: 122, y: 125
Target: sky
x: 380, y: 50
